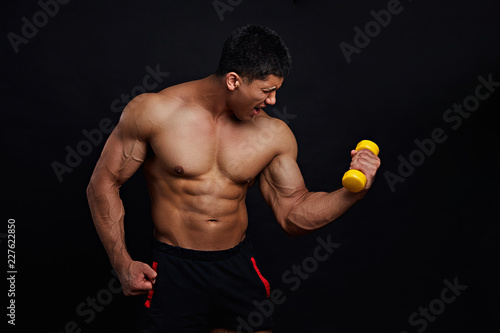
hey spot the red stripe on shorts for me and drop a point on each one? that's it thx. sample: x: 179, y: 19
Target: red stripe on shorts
x: 263, y: 279
x: 150, y: 295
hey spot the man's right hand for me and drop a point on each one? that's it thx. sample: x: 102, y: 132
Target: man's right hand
x: 137, y: 278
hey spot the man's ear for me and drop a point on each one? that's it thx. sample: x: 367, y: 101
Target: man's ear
x: 233, y: 81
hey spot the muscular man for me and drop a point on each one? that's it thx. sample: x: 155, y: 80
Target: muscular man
x: 203, y: 144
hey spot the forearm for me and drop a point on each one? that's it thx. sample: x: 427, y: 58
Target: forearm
x: 316, y: 209
x: 108, y: 216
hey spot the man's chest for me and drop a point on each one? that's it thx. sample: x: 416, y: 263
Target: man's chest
x: 239, y: 152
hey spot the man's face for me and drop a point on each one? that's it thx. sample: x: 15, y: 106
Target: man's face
x: 248, y: 99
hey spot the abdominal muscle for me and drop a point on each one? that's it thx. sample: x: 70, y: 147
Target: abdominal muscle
x: 205, y: 213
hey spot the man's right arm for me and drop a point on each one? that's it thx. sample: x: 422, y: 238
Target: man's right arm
x: 298, y: 210
x: 123, y: 153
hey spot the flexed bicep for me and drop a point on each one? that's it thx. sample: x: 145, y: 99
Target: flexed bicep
x: 281, y: 182
x: 282, y: 186
x: 297, y: 210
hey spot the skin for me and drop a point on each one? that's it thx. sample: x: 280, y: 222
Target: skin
x: 202, y: 145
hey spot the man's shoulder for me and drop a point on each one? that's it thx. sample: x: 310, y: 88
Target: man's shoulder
x: 152, y: 106
x: 161, y: 102
x: 266, y: 122
x: 278, y: 132
x: 146, y: 113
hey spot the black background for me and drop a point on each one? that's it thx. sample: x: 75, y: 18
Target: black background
x: 397, y: 246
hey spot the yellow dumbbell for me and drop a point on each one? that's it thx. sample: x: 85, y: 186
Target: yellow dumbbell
x: 355, y: 180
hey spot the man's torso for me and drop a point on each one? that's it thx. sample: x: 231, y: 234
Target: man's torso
x: 199, y: 169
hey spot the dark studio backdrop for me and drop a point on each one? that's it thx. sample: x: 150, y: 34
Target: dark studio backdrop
x: 421, y: 78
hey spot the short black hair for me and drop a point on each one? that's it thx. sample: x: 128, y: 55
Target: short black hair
x: 254, y: 52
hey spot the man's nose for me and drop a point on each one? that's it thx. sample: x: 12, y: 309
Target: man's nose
x: 271, y: 99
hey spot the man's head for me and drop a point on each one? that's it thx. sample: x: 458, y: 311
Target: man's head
x: 254, y: 52
x: 253, y: 64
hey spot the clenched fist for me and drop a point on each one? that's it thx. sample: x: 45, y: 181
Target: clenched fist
x: 366, y: 162
x: 137, y: 278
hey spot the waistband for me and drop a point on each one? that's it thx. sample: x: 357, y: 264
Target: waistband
x: 199, y: 255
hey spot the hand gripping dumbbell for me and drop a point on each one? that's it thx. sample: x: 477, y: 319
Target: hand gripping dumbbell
x: 355, y: 180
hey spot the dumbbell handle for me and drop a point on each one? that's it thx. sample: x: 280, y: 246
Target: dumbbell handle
x: 355, y: 180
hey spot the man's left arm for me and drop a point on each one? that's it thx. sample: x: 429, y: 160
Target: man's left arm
x: 298, y: 210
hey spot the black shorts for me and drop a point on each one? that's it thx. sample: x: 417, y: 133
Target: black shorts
x: 196, y: 291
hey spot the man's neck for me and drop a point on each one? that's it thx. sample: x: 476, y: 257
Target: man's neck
x: 213, y: 95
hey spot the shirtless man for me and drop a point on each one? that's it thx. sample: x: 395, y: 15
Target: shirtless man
x: 203, y: 144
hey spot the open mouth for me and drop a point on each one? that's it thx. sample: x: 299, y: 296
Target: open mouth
x: 256, y: 110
